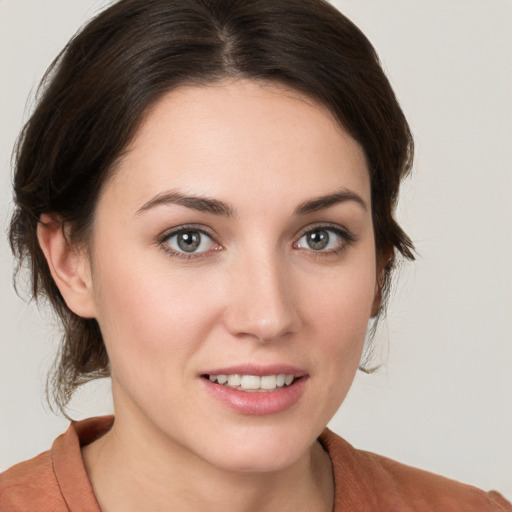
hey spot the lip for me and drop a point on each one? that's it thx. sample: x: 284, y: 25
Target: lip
x: 258, y: 370
x: 257, y: 403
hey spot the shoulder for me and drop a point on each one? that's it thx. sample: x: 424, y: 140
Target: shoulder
x: 371, y: 482
x: 56, y: 480
x: 31, y: 485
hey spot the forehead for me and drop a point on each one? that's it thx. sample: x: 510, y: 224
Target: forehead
x: 240, y: 139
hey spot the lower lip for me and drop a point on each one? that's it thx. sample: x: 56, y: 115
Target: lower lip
x: 258, y: 403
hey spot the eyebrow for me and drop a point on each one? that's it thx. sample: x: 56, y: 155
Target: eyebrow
x: 202, y: 204
x: 217, y: 207
x: 323, y: 202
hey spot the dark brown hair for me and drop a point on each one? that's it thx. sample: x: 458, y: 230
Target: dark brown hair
x: 95, y: 93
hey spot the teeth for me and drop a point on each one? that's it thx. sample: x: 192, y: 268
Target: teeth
x: 253, y: 382
x: 268, y: 382
x: 250, y: 382
x: 234, y: 380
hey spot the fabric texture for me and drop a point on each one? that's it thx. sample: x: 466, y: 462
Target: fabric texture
x: 56, y: 480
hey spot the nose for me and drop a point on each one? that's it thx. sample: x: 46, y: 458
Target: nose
x: 261, y: 302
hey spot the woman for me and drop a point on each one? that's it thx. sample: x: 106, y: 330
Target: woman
x: 205, y: 193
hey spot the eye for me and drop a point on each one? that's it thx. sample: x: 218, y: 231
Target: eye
x: 324, y: 239
x: 188, y: 241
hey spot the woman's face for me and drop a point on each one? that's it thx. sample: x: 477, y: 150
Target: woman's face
x: 234, y: 242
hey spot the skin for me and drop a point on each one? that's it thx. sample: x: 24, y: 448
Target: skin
x: 256, y: 293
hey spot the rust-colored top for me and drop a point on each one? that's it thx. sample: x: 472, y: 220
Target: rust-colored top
x: 56, y: 480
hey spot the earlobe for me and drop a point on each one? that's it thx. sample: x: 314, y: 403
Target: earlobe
x: 69, y: 266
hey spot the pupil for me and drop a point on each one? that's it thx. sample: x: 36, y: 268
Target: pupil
x: 318, y: 240
x: 189, y: 241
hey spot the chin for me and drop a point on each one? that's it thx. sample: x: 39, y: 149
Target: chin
x: 262, y: 449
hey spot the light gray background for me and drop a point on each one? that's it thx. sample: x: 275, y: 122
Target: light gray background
x: 443, y: 397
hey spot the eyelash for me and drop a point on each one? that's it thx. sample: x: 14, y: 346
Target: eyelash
x: 347, y: 237
x: 162, y: 239
x: 344, y: 234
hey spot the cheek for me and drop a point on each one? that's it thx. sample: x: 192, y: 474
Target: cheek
x: 151, y: 315
x: 342, y: 300
x: 339, y: 317
x: 342, y: 324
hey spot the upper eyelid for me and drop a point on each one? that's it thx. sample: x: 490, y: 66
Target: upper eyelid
x: 327, y: 226
x: 186, y: 227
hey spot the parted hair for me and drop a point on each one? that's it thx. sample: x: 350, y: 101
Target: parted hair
x: 95, y: 93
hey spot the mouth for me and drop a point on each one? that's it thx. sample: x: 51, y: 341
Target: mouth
x: 253, y: 383
x: 256, y: 390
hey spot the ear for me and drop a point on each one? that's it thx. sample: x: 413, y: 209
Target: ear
x: 383, y: 264
x: 69, y: 266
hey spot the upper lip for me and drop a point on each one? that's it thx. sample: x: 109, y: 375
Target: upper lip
x: 258, y: 370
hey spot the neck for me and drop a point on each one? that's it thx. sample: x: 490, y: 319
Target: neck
x: 154, y: 474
